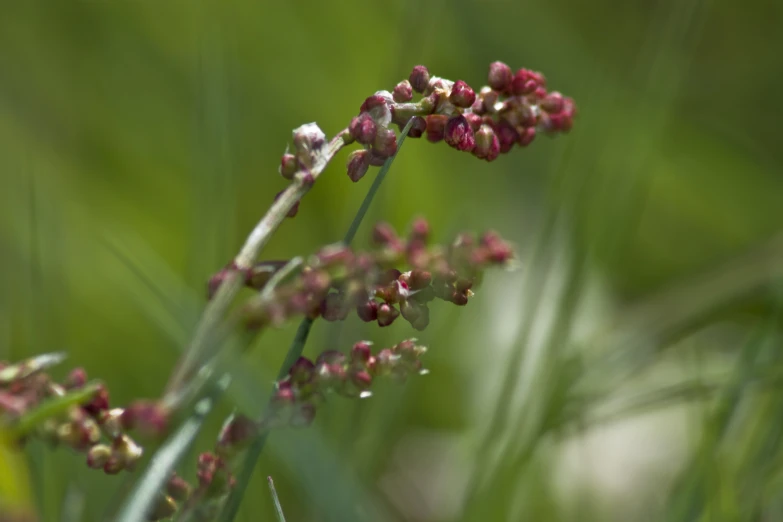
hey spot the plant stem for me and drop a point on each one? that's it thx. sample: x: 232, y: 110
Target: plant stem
x: 278, y: 507
x: 206, y: 336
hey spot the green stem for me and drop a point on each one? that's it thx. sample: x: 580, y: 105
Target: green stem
x: 278, y: 507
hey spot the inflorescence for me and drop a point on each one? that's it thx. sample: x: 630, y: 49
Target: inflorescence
x: 338, y: 280
x: 398, y: 277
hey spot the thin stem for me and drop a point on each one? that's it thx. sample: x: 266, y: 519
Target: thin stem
x: 297, y: 346
x: 376, y: 184
x: 278, y: 507
x: 206, y: 336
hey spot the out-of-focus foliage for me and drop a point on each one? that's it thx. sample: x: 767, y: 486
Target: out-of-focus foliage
x: 139, y: 143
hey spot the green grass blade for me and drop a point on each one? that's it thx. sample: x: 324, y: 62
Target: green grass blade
x: 278, y: 507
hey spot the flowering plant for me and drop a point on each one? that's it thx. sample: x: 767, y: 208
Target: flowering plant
x: 401, y: 276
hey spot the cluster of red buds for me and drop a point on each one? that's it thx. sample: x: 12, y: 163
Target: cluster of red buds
x: 309, y: 382
x: 89, y: 425
x: 337, y: 280
x: 510, y: 110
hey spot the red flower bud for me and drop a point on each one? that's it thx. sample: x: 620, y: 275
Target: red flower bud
x: 419, y: 78
x: 474, y: 120
x: 385, y: 144
x: 403, y: 92
x: 487, y: 144
x: 358, y: 164
x: 553, y: 102
x: 507, y: 136
x: 367, y: 311
x: 527, y: 136
x: 288, y: 166
x: 361, y: 352
x: 436, y: 127
x: 387, y: 314
x: 459, y: 134
x: 363, y: 128
x: 462, y: 95
x: 499, y: 77
x: 418, y: 127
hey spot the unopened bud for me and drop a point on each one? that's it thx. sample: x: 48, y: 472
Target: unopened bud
x: 419, y: 78
x: 403, y: 92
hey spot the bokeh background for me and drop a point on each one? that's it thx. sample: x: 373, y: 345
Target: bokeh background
x: 629, y: 370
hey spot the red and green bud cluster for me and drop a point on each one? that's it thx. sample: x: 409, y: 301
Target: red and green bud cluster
x: 89, y: 425
x: 398, y: 278
x: 510, y: 110
x: 307, y: 384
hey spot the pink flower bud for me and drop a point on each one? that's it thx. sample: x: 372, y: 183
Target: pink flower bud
x: 288, y: 166
x: 553, y: 102
x: 361, y: 352
x: 419, y: 78
x: 383, y: 235
x: 363, y: 128
x: 367, y: 311
x: 385, y: 144
x: 99, y: 402
x: 386, y: 315
x: 76, y: 379
x: 420, y: 230
x: 329, y: 376
x: 403, y: 92
x: 519, y: 84
x: 459, y: 135
x: 526, y: 136
x: 419, y: 279
x: 507, y: 136
x: 148, y: 417
x: 301, y: 371
x: 178, y: 488
x: 436, y: 127
x: 308, y: 139
x: 361, y: 379
x: 98, y: 455
x: 462, y: 95
x: 459, y: 298
x: 487, y: 144
x: 499, y: 77
x: 377, y: 106
x: 358, y: 164
x: 418, y: 127
x: 488, y: 100
x: 474, y: 120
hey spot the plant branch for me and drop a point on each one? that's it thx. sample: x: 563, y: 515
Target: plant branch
x: 206, y: 335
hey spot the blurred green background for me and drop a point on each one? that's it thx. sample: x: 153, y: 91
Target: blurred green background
x: 627, y: 371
